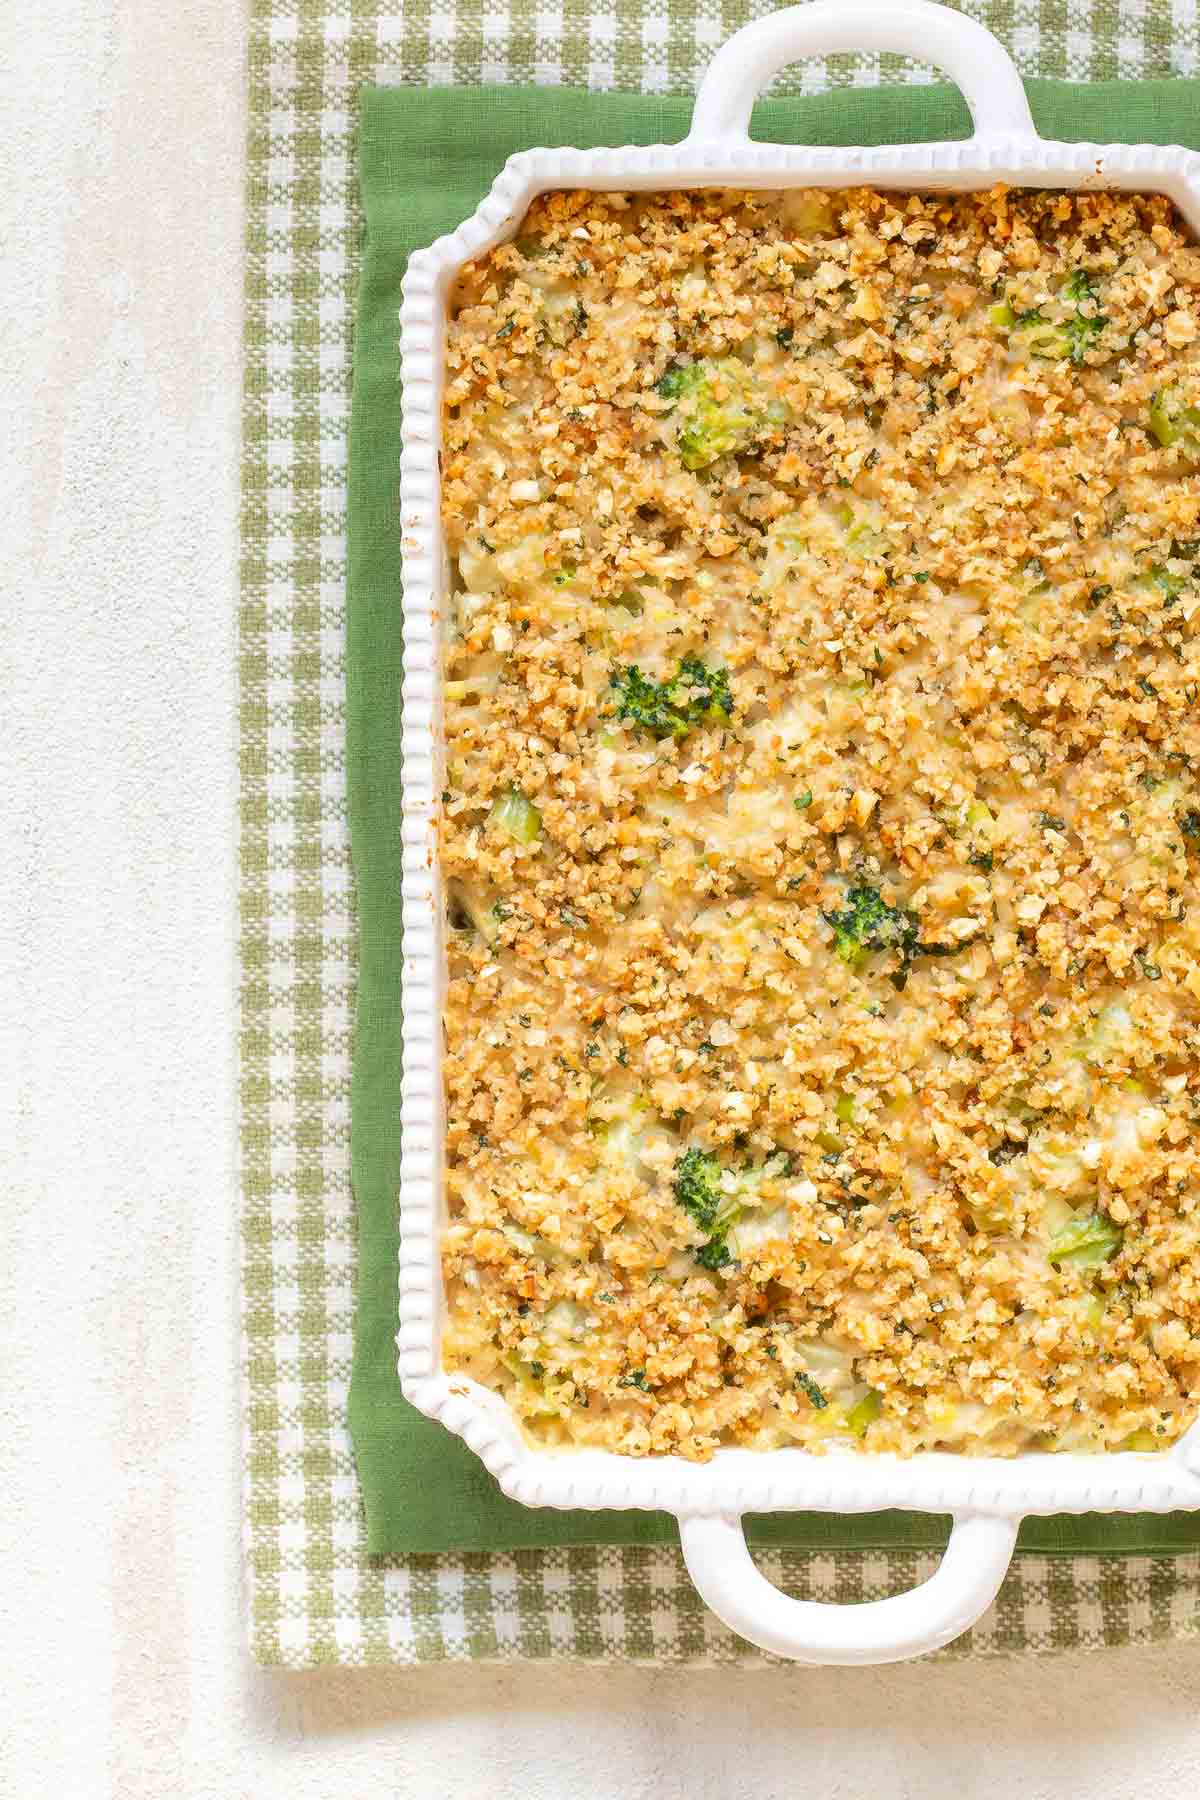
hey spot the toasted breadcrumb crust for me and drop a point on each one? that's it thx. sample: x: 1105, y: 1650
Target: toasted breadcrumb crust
x: 898, y: 466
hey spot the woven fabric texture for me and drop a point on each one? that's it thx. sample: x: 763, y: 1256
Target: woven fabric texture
x: 315, y: 1596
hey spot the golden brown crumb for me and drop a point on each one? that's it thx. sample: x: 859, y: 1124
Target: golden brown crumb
x: 898, y: 931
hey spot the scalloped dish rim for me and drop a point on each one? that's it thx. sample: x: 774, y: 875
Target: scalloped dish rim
x: 734, y: 1481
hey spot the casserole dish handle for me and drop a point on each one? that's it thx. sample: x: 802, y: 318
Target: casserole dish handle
x: 874, y: 1631
x: 976, y: 61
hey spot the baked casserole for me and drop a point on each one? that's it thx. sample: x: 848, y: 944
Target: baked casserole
x: 821, y: 822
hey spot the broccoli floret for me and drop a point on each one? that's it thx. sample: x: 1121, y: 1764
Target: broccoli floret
x: 722, y: 406
x: 706, y: 1194
x: 1169, y: 586
x: 1189, y: 824
x: 1175, y: 423
x: 1081, y: 332
x: 1052, y: 342
x: 699, y: 1191
x: 714, y: 1255
x: 1055, y: 340
x: 867, y: 924
x: 695, y: 695
x: 1088, y: 323
x: 642, y: 701
x: 687, y: 379
x: 698, y: 1186
x: 701, y: 694
x: 1078, y: 287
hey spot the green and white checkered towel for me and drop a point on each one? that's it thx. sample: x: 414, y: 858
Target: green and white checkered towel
x: 315, y: 1595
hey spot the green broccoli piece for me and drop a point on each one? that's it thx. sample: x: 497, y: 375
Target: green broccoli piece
x: 1189, y: 824
x: 695, y: 695
x: 517, y: 817
x: 1086, y: 1243
x: 1169, y: 586
x: 714, y: 1255
x: 642, y: 701
x: 688, y: 378
x: 699, y: 1191
x: 1078, y: 287
x: 702, y: 1188
x: 1057, y: 340
x: 1089, y: 322
x: 867, y: 924
x: 698, y: 1186
x: 1051, y: 342
x: 1044, y: 339
x: 722, y: 407
x: 1081, y: 332
x: 1175, y: 423
x: 702, y: 694
x: 864, y: 1413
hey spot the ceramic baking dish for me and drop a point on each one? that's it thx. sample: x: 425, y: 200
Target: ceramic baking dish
x: 986, y: 1496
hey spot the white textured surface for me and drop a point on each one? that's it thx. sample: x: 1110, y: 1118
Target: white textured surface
x: 120, y: 1599
x: 957, y: 46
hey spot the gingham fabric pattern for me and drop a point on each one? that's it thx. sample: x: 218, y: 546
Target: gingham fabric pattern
x: 314, y: 1596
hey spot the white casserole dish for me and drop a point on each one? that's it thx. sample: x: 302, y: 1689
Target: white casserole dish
x: 986, y: 1496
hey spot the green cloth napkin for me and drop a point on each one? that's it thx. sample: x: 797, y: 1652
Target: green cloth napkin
x: 426, y: 158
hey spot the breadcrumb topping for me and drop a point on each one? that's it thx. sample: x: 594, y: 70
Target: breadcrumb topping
x: 821, y: 823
